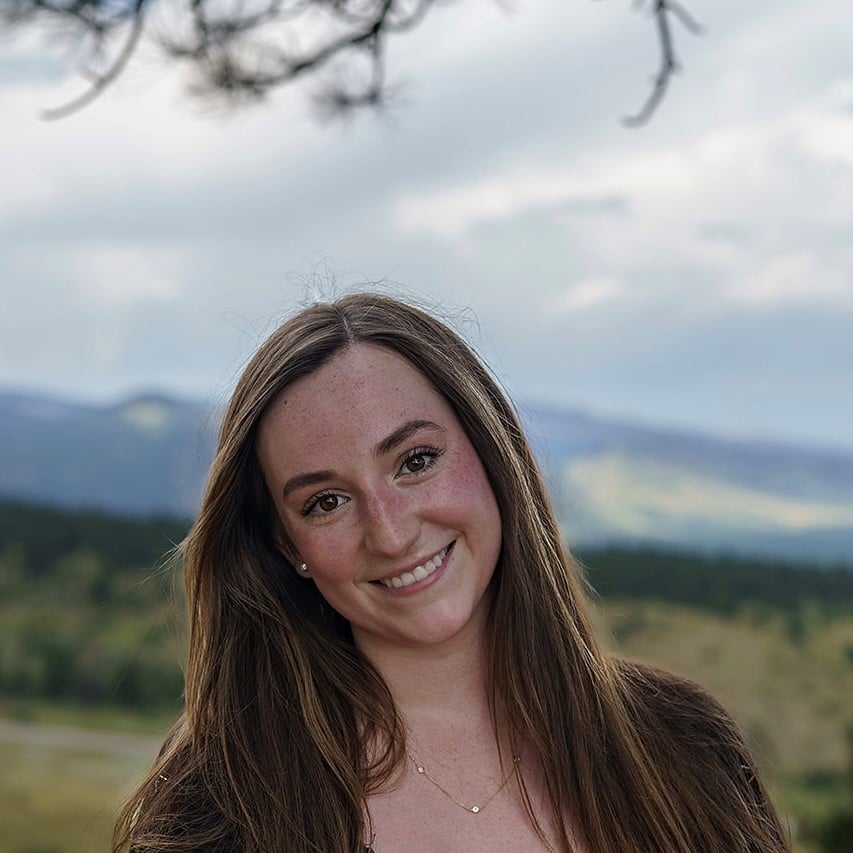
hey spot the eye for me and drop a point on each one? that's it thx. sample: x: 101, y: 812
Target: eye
x: 419, y: 460
x: 323, y: 504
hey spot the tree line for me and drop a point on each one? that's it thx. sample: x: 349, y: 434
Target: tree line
x: 91, y: 605
x: 721, y: 584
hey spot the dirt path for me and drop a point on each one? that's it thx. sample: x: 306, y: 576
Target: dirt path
x: 89, y: 740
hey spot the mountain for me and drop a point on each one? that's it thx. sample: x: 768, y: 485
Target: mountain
x: 618, y: 482
x: 143, y: 455
x: 611, y: 481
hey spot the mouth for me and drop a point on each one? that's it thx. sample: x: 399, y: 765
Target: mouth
x: 419, y: 573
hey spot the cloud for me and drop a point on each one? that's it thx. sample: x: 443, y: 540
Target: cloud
x: 828, y: 137
x: 727, y: 233
x: 798, y: 276
x: 589, y: 293
x: 760, y: 209
x: 118, y: 276
x: 450, y: 214
x: 133, y: 141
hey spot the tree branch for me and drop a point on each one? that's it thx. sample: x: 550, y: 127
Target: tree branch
x: 662, y: 11
x: 245, y: 47
x: 99, y: 82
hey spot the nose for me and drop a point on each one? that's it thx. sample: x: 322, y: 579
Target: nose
x: 390, y: 522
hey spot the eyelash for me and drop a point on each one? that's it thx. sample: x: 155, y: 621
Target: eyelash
x: 426, y: 451
x: 311, y: 504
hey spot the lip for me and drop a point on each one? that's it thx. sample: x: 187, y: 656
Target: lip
x: 417, y: 585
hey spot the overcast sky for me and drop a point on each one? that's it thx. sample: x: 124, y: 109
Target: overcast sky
x: 696, y: 272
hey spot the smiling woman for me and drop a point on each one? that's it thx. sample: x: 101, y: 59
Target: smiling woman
x: 395, y: 518
x: 389, y: 645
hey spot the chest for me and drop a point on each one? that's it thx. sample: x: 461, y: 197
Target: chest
x: 417, y: 817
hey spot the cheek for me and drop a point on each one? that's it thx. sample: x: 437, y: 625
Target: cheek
x: 327, y: 551
x: 330, y: 571
x: 471, y: 496
x: 473, y: 482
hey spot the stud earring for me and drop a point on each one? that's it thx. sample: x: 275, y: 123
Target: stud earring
x: 303, y: 568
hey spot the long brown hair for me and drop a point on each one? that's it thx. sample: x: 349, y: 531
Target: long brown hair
x: 270, y: 754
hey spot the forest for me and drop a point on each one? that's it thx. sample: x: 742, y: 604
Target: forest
x: 92, y: 623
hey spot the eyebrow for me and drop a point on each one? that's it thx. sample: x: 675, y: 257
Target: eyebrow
x: 311, y: 479
x: 396, y: 438
x: 407, y: 430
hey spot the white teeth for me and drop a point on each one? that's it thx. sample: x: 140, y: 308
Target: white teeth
x: 418, y: 574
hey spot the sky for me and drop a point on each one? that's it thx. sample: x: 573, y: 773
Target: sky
x: 696, y: 272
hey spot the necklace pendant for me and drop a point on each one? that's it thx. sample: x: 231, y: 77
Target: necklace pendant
x: 420, y: 769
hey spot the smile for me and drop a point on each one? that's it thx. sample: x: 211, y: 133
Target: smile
x: 417, y: 574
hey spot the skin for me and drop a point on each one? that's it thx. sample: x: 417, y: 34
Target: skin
x: 357, y: 512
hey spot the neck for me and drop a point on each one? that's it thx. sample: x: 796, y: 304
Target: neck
x: 436, y: 684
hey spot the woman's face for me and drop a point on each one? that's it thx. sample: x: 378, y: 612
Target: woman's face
x: 383, y: 497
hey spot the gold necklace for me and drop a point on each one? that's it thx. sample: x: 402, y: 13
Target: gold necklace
x: 473, y: 809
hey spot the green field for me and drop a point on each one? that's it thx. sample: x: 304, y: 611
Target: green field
x: 64, y: 785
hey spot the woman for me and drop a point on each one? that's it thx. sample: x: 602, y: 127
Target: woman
x: 389, y: 646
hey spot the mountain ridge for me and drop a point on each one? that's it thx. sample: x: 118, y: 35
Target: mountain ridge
x: 611, y: 481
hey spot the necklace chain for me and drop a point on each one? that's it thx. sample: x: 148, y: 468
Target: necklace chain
x: 475, y: 809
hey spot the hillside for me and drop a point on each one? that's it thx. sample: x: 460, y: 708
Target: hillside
x: 612, y: 482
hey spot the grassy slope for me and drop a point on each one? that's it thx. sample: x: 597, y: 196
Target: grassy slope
x: 62, y: 797
x: 788, y: 684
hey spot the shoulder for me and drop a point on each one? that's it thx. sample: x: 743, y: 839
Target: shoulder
x: 677, y: 714
x: 696, y: 743
x: 683, y: 703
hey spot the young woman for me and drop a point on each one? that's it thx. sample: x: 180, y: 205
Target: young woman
x: 389, y: 645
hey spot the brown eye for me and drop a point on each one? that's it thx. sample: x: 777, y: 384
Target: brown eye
x: 323, y: 504
x: 417, y: 462
x: 327, y: 503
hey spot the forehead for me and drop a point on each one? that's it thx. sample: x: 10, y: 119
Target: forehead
x: 363, y: 393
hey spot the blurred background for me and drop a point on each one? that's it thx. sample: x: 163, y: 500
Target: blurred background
x: 670, y: 305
